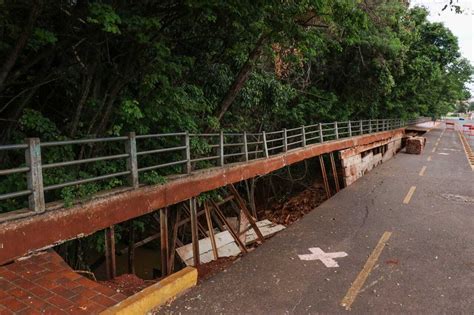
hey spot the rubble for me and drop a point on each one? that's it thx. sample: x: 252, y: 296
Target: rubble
x: 415, y: 145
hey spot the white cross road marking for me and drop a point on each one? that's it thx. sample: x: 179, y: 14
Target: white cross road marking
x: 326, y: 258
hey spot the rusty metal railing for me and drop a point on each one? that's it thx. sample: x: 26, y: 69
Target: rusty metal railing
x: 195, y: 151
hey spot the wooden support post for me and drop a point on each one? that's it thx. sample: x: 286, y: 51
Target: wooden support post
x: 325, y: 177
x: 245, y: 147
x: 110, y: 265
x: 303, y: 137
x: 194, y: 231
x: 321, y: 135
x: 164, y: 241
x: 132, y: 162
x: 265, y: 144
x: 35, y: 175
x: 131, y: 248
x: 334, y: 172
x: 200, y: 227
x: 187, y: 168
x: 210, y: 228
x: 221, y: 149
x: 173, y: 242
x: 229, y: 228
x: 246, y: 211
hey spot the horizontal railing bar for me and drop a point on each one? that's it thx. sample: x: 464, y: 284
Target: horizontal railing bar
x: 204, y: 134
x: 274, y: 132
x: 14, y: 170
x: 84, y: 181
x: 256, y: 142
x: 257, y: 151
x: 67, y: 142
x: 294, y: 136
x: 233, y: 144
x: 312, y: 138
x: 205, y: 158
x: 274, y: 140
x: 154, y: 167
x: 13, y: 147
x: 76, y: 162
x: 311, y: 132
x: 161, y: 150
x: 234, y: 154
x: 158, y: 135
x: 15, y: 194
x: 277, y: 147
x: 295, y: 142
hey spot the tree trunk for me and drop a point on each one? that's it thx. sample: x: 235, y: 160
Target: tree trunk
x: 241, y: 78
x: 20, y: 44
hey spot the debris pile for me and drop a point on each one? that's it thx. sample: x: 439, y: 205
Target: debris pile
x: 209, y: 269
x: 415, y: 145
x: 128, y: 284
x: 296, y: 207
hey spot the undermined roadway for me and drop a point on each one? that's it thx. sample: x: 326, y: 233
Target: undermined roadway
x: 398, y: 240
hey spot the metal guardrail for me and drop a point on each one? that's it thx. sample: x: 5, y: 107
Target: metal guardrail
x: 223, y: 148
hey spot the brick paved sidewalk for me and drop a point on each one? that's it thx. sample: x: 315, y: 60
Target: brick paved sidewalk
x: 45, y: 284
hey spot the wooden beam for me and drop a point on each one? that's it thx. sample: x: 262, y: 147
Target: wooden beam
x: 325, y: 177
x: 334, y: 172
x: 110, y: 264
x: 164, y: 241
x: 229, y: 228
x: 246, y: 212
x: 194, y: 231
x: 210, y: 228
x: 173, y: 242
x: 131, y: 248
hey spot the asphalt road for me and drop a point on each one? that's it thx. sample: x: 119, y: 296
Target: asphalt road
x: 426, y: 264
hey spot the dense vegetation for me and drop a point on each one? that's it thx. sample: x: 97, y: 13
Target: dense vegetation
x: 75, y: 69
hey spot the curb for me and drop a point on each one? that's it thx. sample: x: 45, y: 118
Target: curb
x: 157, y: 294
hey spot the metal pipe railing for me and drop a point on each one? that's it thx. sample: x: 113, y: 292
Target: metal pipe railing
x: 221, y: 147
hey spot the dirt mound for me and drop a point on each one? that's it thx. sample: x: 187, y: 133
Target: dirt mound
x: 293, y: 209
x: 128, y: 284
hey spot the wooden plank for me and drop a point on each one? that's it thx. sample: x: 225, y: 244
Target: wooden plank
x: 164, y: 240
x: 334, y: 172
x: 131, y: 248
x: 110, y: 265
x: 211, y: 230
x: 194, y: 230
x: 229, y: 228
x: 246, y: 212
x: 173, y: 242
x: 325, y: 177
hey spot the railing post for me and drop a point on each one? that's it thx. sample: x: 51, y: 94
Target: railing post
x: 265, y: 146
x: 132, y: 162
x: 370, y: 125
x: 303, y: 137
x: 221, y: 148
x: 187, y: 169
x: 285, y: 140
x: 321, y: 136
x: 35, y: 175
x: 349, y: 127
x: 336, y: 132
x: 361, y: 128
x: 246, y: 149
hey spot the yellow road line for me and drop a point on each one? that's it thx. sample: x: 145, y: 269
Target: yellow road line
x: 409, y: 195
x: 422, y: 172
x: 429, y: 158
x: 362, y: 276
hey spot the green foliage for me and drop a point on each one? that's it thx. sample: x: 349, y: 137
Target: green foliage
x: 97, y: 68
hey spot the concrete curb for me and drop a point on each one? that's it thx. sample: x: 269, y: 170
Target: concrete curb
x: 157, y: 294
